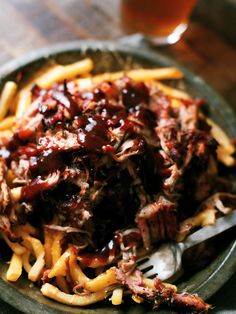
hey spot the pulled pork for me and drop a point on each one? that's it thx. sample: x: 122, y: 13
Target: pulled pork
x: 6, y: 214
x: 161, y: 294
x: 4, y: 189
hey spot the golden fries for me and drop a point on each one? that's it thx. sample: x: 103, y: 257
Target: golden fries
x: 173, y: 92
x: 226, y: 148
x: 203, y: 218
x: 102, y: 281
x: 60, y: 72
x: 141, y: 75
x: 16, y: 194
x: 23, y: 102
x: 15, y: 247
x: 6, y: 98
x: 54, y: 293
x: 48, y: 242
x: 25, y: 261
x: 32, y: 245
x: 75, y: 271
x: 117, y: 295
x: 36, y: 270
x: 60, y: 267
x: 15, y: 268
x: 136, y: 75
x: 7, y: 123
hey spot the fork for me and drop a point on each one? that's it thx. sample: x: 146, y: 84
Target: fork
x: 166, y: 261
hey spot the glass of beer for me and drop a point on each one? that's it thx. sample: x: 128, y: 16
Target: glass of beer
x: 163, y: 21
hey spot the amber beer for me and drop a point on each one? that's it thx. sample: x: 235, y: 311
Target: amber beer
x: 157, y: 18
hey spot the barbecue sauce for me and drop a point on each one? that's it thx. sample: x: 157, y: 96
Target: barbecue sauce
x: 92, y: 134
x: 112, y: 250
x: 90, y: 119
x: 67, y: 102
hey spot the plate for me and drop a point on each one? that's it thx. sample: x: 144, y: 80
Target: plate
x: 110, y: 56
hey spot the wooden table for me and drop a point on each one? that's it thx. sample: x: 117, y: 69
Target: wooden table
x: 30, y: 24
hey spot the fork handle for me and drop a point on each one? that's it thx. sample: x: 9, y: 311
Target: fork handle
x: 208, y: 232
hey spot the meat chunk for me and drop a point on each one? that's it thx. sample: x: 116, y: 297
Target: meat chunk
x: 189, y: 303
x: 162, y: 294
x: 157, y: 221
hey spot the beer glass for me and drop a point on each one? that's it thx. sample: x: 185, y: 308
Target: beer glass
x: 163, y: 21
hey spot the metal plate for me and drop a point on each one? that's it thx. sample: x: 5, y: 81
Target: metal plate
x: 110, y: 56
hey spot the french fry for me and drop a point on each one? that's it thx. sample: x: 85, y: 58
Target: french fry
x: 136, y: 75
x: 7, y: 95
x: 48, y: 241
x: 203, y: 218
x: 15, y: 268
x: 226, y: 148
x: 37, y: 268
x: 37, y: 246
x: 58, y: 261
x: 136, y: 298
x: 5, y: 136
x: 16, y: 194
x: 60, y: 267
x: 75, y: 271
x: 101, y: 281
x: 38, y: 250
x: 60, y: 72
x: 54, y: 293
x: 141, y: 74
x: 15, y: 247
x: 173, y: 92
x: 117, y: 295
x: 23, y: 102
x: 149, y: 283
x: 25, y: 261
x: 56, y: 251
x: 85, y: 83
x: 7, y: 123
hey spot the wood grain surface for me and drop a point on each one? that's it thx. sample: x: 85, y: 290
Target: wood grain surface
x: 26, y: 25
x: 30, y: 24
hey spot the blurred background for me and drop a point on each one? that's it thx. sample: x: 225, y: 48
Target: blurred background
x: 208, y: 47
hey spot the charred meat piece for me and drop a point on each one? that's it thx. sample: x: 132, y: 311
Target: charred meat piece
x: 157, y: 221
x: 161, y: 294
x: 4, y: 189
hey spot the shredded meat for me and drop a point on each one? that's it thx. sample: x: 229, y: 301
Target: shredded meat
x: 5, y: 225
x: 4, y: 189
x: 191, y: 303
x: 157, y: 221
x: 162, y: 294
x: 78, y: 153
x: 7, y: 210
x: 59, y: 141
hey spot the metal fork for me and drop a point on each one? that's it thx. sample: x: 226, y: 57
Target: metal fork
x: 166, y: 261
